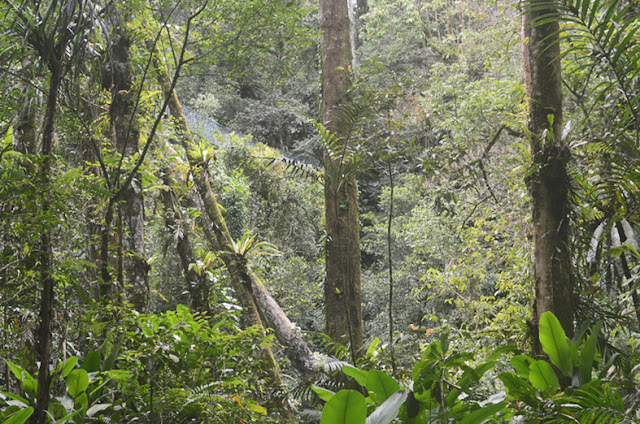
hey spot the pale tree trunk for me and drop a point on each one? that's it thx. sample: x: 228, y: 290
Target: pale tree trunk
x: 254, y: 297
x: 342, y: 287
x: 125, y: 133
x: 549, y: 181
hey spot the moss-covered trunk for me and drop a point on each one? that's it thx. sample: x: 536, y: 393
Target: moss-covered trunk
x: 125, y: 134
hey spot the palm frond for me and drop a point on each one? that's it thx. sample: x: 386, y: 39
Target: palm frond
x: 597, y: 402
x: 296, y: 167
x: 600, y: 33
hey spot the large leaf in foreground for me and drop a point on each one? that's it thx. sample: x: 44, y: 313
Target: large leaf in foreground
x: 345, y: 407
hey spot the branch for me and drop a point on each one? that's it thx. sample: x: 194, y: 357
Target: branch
x: 485, y: 154
x: 165, y: 103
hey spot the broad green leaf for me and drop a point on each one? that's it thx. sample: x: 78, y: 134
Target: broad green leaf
x: 574, y: 355
x: 521, y: 364
x: 345, y: 407
x: 444, y: 343
x: 412, y: 405
x: 111, y: 359
x: 18, y: 371
x: 91, y: 362
x: 29, y: 384
x: 15, y: 397
x: 554, y: 343
x: 481, y: 415
x: 82, y: 401
x: 382, y: 385
x: 8, y: 139
x: 324, y: 394
x: 68, y: 366
x: 77, y: 382
x: 588, y: 353
x: 372, y: 347
x: 519, y: 389
x: 19, y: 417
x: 357, y: 374
x: 386, y: 412
x: 541, y: 376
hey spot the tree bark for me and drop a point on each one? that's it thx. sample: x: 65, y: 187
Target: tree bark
x: 46, y: 254
x: 342, y: 288
x: 25, y: 139
x: 125, y: 134
x: 196, y: 284
x: 549, y: 181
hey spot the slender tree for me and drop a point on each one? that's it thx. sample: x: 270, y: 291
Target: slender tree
x: 342, y: 288
x: 25, y: 137
x: 548, y: 182
x: 46, y: 28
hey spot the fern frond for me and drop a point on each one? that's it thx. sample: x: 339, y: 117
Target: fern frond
x: 303, y: 392
x: 326, y: 344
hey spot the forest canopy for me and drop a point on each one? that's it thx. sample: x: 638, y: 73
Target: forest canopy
x: 340, y: 211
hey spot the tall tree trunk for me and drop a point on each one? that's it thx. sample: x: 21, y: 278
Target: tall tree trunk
x: 125, y: 133
x: 342, y: 288
x: 549, y: 182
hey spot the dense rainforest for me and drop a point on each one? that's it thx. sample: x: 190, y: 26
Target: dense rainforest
x: 279, y: 211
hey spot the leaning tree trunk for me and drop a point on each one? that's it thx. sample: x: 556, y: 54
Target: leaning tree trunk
x: 253, y: 296
x: 125, y: 133
x: 549, y: 181
x: 342, y: 287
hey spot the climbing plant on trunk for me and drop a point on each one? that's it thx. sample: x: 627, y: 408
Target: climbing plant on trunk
x: 125, y: 135
x: 548, y: 180
x: 342, y: 286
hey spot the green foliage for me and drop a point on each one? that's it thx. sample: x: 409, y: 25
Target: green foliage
x: 346, y: 406
x: 443, y: 389
x: 82, y: 402
x: 179, y: 366
x: 537, y: 393
x: 437, y: 84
